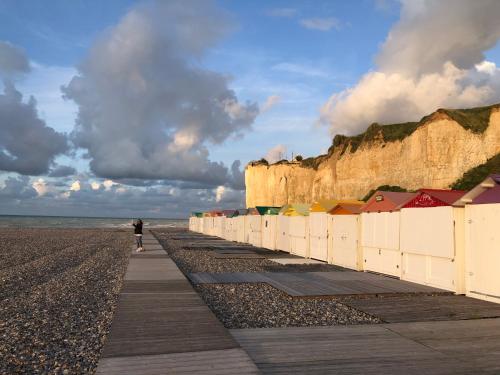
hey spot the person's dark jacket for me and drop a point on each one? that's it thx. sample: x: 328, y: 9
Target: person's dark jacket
x: 138, y: 227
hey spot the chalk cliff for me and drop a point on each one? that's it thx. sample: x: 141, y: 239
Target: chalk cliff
x: 432, y: 153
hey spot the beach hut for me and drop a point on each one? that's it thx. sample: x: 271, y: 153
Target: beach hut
x: 241, y: 226
x: 432, y: 240
x: 270, y: 227
x: 482, y: 239
x: 228, y: 224
x: 208, y: 223
x: 380, y: 232
x: 194, y: 221
x: 298, y: 228
x: 218, y: 223
x: 344, y: 234
x: 319, y: 227
x: 255, y: 221
x: 282, y: 230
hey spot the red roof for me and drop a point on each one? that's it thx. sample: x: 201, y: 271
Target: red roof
x: 387, y: 201
x: 434, y: 198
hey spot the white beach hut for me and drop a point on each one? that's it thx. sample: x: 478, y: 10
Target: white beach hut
x: 345, y: 233
x: 254, y: 227
x: 482, y: 239
x: 240, y: 222
x: 270, y: 228
x: 282, y: 230
x: 380, y: 232
x: 319, y: 228
x: 432, y: 240
x: 298, y: 229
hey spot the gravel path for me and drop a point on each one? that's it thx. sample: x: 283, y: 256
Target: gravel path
x: 55, y: 310
x: 262, y: 306
x: 259, y: 305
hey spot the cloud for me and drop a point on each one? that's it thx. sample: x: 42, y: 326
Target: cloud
x: 18, y: 196
x: 321, y: 24
x: 270, y: 102
x: 276, y: 153
x: 62, y: 171
x: 282, y: 12
x: 27, y: 145
x: 12, y: 60
x: 147, y: 109
x: 415, y: 77
x: 15, y: 189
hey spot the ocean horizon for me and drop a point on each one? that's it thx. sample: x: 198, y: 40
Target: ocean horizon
x: 35, y: 221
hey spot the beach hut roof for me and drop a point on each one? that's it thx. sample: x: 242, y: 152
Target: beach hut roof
x: 196, y: 214
x: 387, y: 201
x: 326, y: 205
x: 434, y: 198
x: 241, y: 211
x: 487, y: 191
x: 347, y: 208
x: 268, y: 210
x: 299, y: 209
x: 228, y: 213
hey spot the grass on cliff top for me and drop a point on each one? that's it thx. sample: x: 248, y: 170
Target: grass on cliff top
x: 398, y: 189
x: 477, y: 174
x: 473, y: 119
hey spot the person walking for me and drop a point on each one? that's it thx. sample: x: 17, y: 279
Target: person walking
x: 138, y: 234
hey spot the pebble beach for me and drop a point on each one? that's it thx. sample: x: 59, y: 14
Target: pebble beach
x: 58, y: 291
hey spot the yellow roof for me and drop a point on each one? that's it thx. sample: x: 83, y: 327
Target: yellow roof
x: 295, y: 210
x: 326, y: 205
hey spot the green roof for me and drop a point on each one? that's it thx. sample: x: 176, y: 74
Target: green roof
x: 268, y: 210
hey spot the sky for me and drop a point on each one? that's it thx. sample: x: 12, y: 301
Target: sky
x: 153, y: 108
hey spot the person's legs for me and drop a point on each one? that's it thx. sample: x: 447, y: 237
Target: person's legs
x: 140, y: 241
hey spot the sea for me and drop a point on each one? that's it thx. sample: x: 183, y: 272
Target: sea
x: 14, y: 221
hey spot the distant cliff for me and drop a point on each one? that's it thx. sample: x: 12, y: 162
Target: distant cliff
x: 434, y: 152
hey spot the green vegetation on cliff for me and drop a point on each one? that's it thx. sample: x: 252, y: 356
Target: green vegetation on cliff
x: 477, y: 174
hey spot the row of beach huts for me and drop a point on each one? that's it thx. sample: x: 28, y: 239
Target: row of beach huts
x: 447, y: 239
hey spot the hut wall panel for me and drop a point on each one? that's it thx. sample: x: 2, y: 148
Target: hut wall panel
x: 483, y: 251
x: 299, y: 235
x: 282, y: 236
x: 269, y: 231
x: 318, y: 235
x: 346, y: 250
x: 255, y: 230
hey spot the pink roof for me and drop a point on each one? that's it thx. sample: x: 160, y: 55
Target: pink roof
x: 491, y: 195
x: 386, y: 201
x: 447, y: 196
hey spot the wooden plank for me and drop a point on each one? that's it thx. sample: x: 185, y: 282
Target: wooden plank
x: 302, y: 284
x: 237, y: 256
x: 152, y: 269
x: 213, y: 362
x: 164, y: 323
x: 171, y: 286
x: 149, y: 256
x: 367, y: 349
x: 406, y: 308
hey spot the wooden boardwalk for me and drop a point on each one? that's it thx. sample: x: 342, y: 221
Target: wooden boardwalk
x: 431, y: 348
x: 309, y: 284
x: 162, y: 326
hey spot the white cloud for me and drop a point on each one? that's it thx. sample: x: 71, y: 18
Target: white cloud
x: 416, y: 76
x: 95, y: 185
x: 321, y: 24
x: 40, y: 186
x: 75, y: 186
x: 270, y: 102
x: 108, y: 184
x: 276, y: 153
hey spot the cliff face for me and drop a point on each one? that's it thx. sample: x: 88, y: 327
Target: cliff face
x: 434, y: 155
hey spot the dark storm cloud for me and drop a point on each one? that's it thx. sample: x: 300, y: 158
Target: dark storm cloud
x: 62, y: 171
x: 147, y: 109
x: 27, y: 145
x: 15, y: 189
